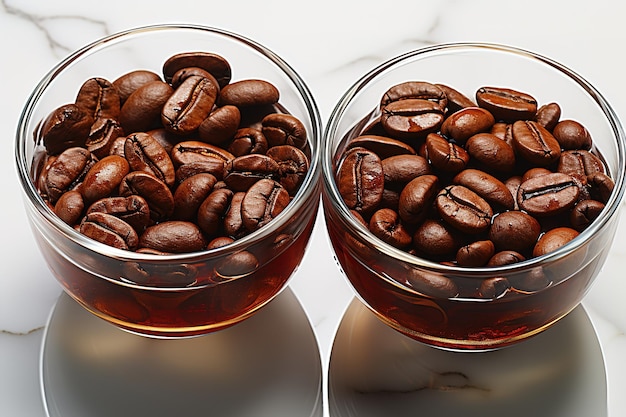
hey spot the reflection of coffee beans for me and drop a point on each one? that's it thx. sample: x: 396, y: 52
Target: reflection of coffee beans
x: 483, y: 183
x: 144, y: 162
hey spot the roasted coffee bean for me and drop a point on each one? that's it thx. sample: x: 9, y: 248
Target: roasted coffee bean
x: 104, y: 177
x: 133, y: 209
x: 548, y: 115
x: 247, y: 141
x: 182, y: 74
x: 417, y: 198
x: 220, y: 125
x: 237, y: 265
x: 144, y: 153
x: 493, y: 288
x: 534, y: 172
x: 190, y: 194
x: 166, y: 139
x: 98, y: 98
x: 553, y: 239
x: 213, y: 63
x: 66, y: 127
x: 249, y: 93
x: 467, y: 122
x: 162, y: 274
x: 142, y: 109
x: 415, y: 90
x: 233, y: 222
x: 189, y: 105
x: 446, y: 156
x: 109, y: 230
x: 220, y: 241
x: 173, y: 236
x: 156, y: 193
x: 506, y: 104
x: 127, y: 84
x: 456, y: 99
x: 431, y: 284
x: 572, y: 135
x: 213, y: 209
x: 293, y: 165
x: 67, y: 171
x: 399, y: 170
x: 101, y: 136
x: 70, y: 206
x: 242, y: 172
x: 195, y: 151
x: 514, y: 231
x: 580, y: 163
x: 411, y: 118
x: 476, y: 253
x: 437, y: 239
x: 361, y: 180
x: 284, y: 129
x: 491, y: 153
x: 464, y: 209
x: 265, y: 200
x: 385, y: 224
x: 601, y: 186
x: 548, y: 194
x: 211, y: 166
x: 505, y: 257
x: 383, y: 146
x: 494, y: 191
x: 584, y: 213
x: 535, y: 143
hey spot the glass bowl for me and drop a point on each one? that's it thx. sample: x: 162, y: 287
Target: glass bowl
x: 490, y: 306
x: 175, y: 294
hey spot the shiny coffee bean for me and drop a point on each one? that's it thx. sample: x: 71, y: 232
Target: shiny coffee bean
x: 70, y: 206
x: 182, y: 74
x: 535, y: 144
x: 467, y: 122
x: 580, y: 163
x: 249, y: 93
x: 173, y: 236
x: 265, y: 200
x: 189, y: 105
x: 417, y: 198
x: 507, y: 104
x: 572, y: 135
x: 67, y: 172
x: 399, y: 170
x: 144, y: 153
x: 142, y: 110
x: 237, y: 265
x: 293, y: 165
x: 211, y: 166
x: 411, y: 118
x: 248, y: 140
x: 548, y: 195
x: 505, y: 257
x: 233, y: 222
x: 104, y: 177
x: 494, y: 191
x: 284, y: 129
x: 491, y: 153
x: 110, y: 230
x: 213, y: 63
x: 361, y: 180
x: 419, y: 90
x: 431, y: 284
x: 385, y: 224
x: 127, y: 83
x: 554, y: 239
x: 102, y: 135
x: 98, y: 98
x: 190, y: 194
x: 66, y: 127
x: 243, y: 171
x: 601, y: 186
x: 463, y: 209
x: 156, y: 193
x: 456, y: 99
x: 584, y: 213
x: 213, y: 209
x: 476, y: 253
x: 220, y: 125
x: 492, y: 288
x: 548, y: 115
x: 437, y: 239
x: 195, y: 151
x: 133, y: 209
x: 514, y: 231
x: 446, y: 156
x: 383, y: 146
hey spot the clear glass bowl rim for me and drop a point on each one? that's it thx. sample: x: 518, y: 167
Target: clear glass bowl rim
x: 333, y: 196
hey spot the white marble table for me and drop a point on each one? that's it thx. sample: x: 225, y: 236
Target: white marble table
x: 330, y: 43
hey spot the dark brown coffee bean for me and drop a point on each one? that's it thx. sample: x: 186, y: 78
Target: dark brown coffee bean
x: 220, y: 125
x: 535, y: 144
x: 265, y: 200
x: 417, y: 198
x: 213, y: 209
x: 242, y: 172
x: 249, y: 93
x: 385, y: 224
x: 237, y: 265
x: 436, y: 239
x: 554, y: 239
x: 66, y: 127
x: 506, y: 104
x: 505, y: 257
x: 491, y: 153
x: 399, y: 170
x: 133, y: 209
x: 67, y: 171
x: 580, y: 163
x: 446, y: 156
x: 182, y: 74
x: 513, y: 183
x: 361, y: 180
x: 213, y: 63
x: 142, y: 110
x: 284, y: 129
x: 233, y: 222
x: 572, y: 135
x: 109, y: 230
x: 156, y: 193
x: 476, y: 253
x: 190, y: 194
x: 464, y: 209
x: 101, y: 136
x: 70, y: 206
x: 104, y: 178
x: 548, y: 115
x: 548, y: 194
x: 530, y: 281
x: 456, y: 99
x: 494, y: 191
x: 220, y: 241
x: 419, y: 90
x: 189, y: 105
x: 431, y: 284
x: 144, y: 153
x: 98, y: 98
x: 493, y: 288
x: 467, y: 122
x: 127, y: 83
x: 514, y: 231
x: 293, y: 166
x: 584, y: 213
x: 173, y: 236
x: 211, y: 166
x: 411, y: 118
x: 534, y: 172
x: 382, y: 146
x: 601, y: 186
x: 247, y: 141
x: 195, y: 151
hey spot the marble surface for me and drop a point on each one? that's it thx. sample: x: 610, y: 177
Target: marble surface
x: 330, y: 44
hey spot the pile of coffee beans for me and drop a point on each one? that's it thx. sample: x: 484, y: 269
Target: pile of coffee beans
x: 172, y: 163
x: 478, y: 182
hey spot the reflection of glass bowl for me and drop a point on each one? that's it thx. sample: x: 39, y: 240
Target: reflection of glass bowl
x: 180, y: 294
x: 401, y: 288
